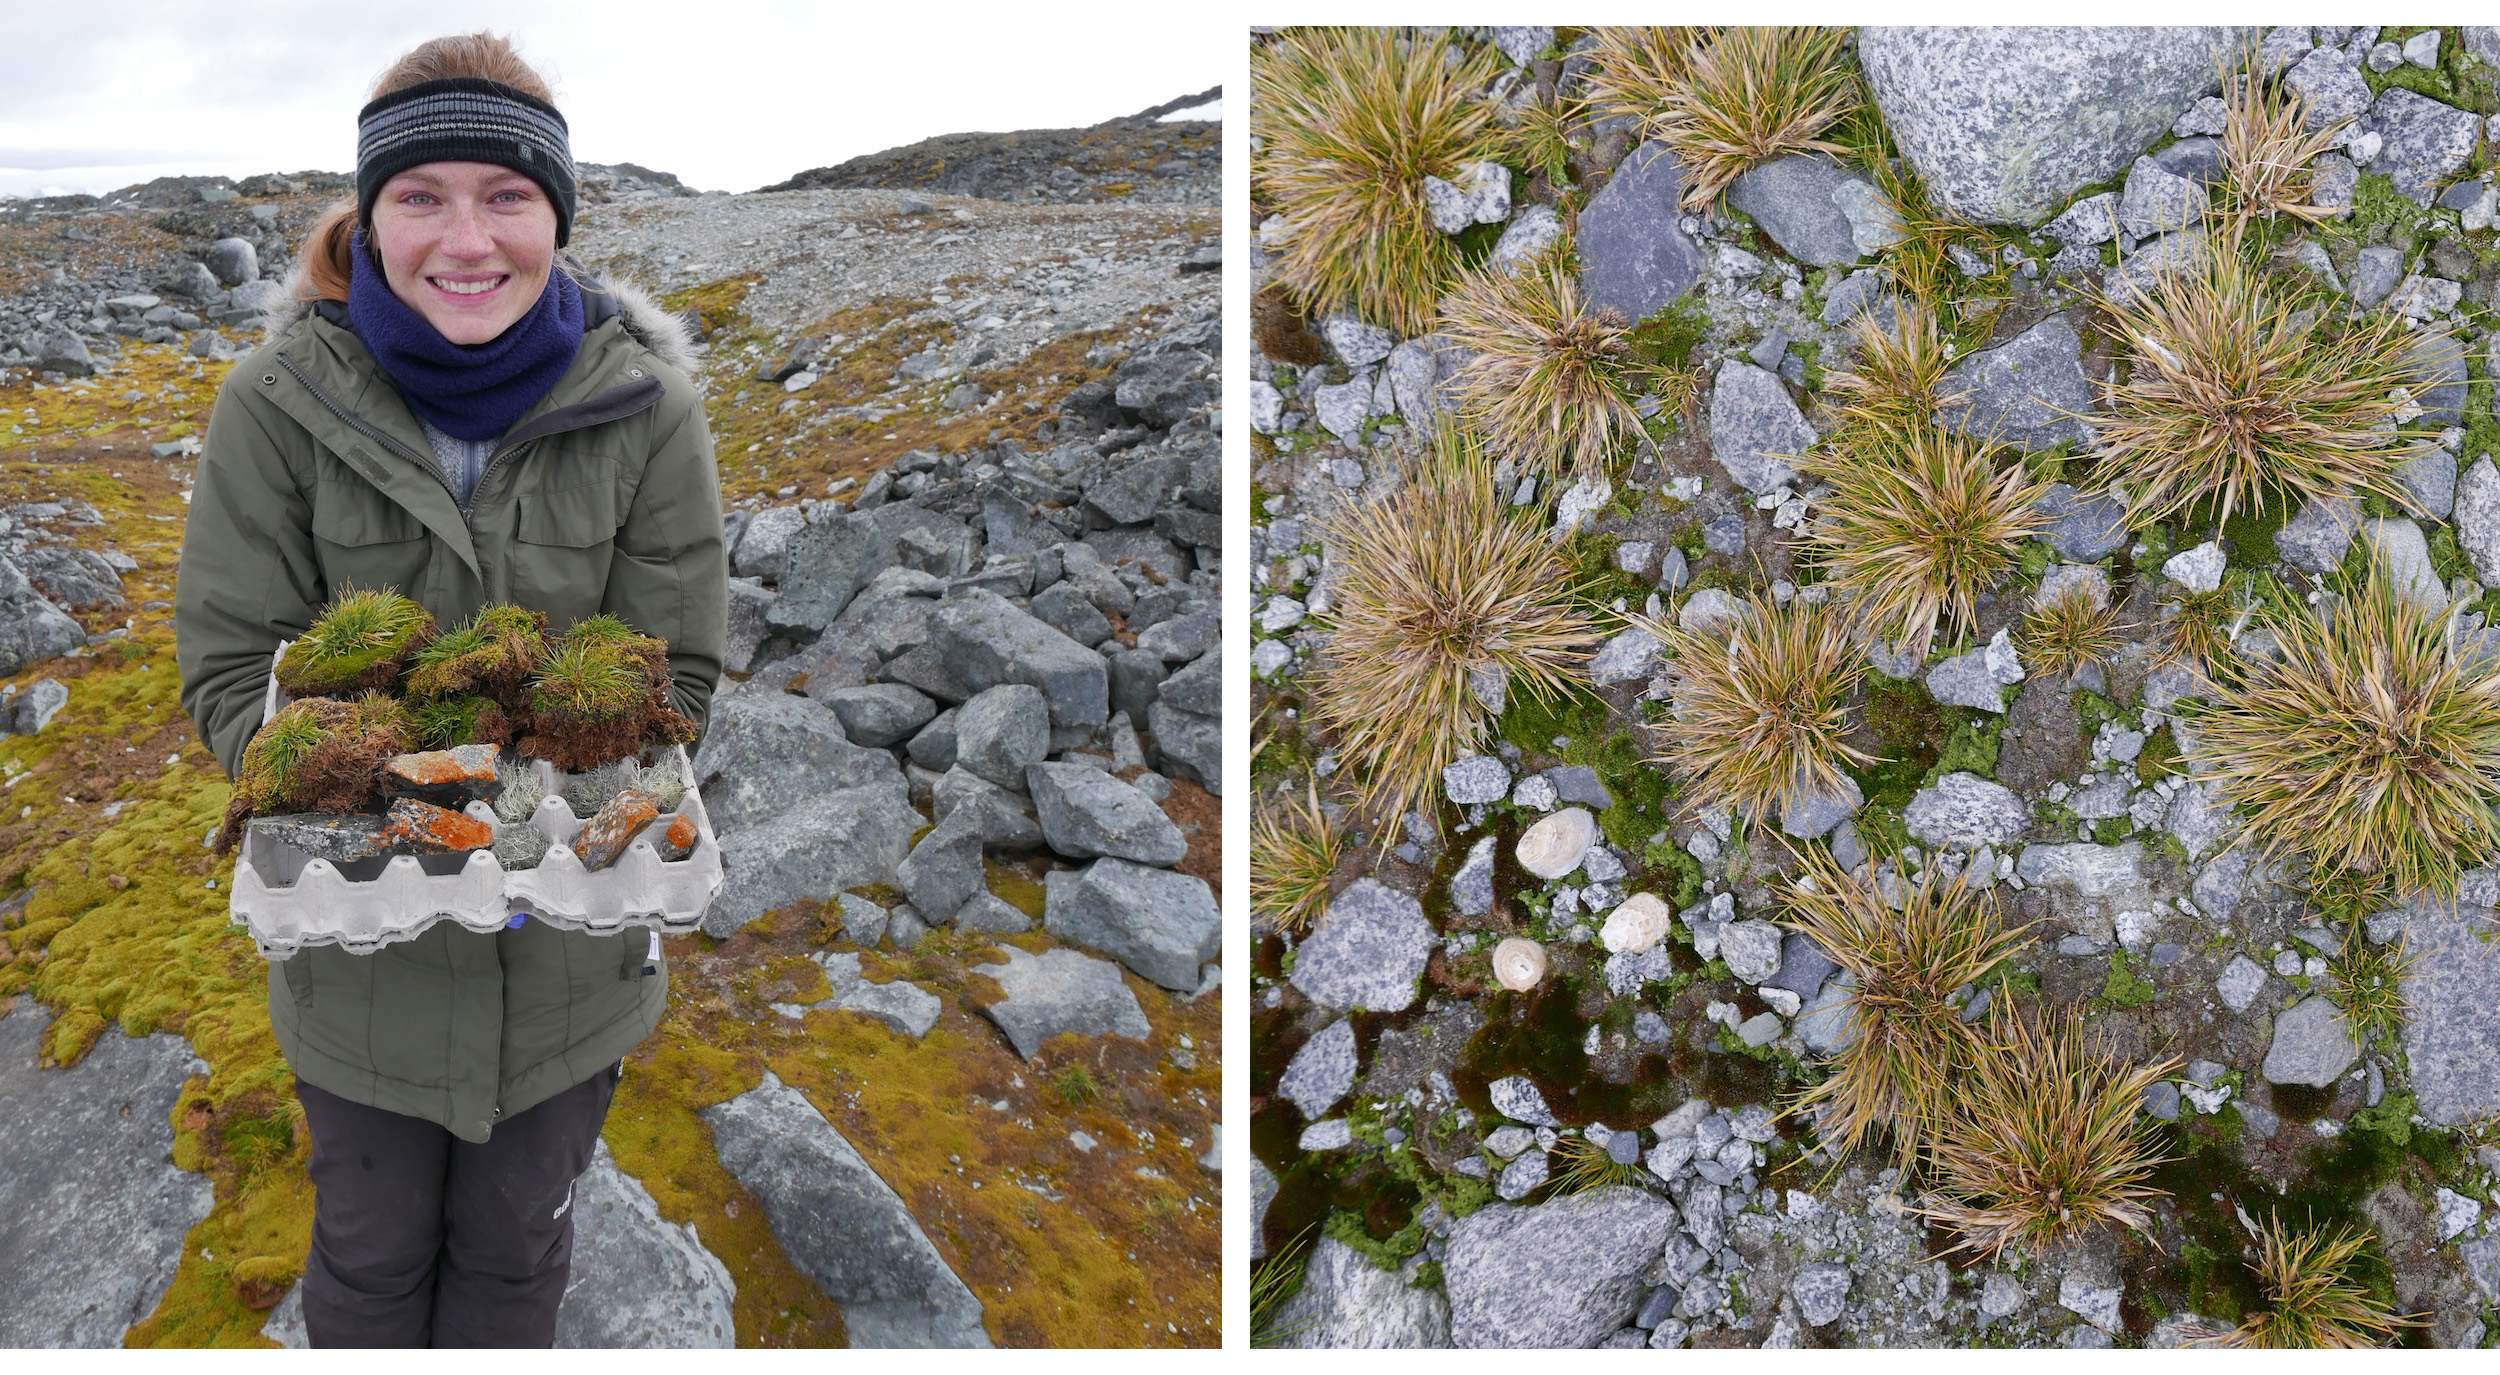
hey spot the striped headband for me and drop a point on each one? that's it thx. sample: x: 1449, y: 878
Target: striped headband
x: 465, y: 119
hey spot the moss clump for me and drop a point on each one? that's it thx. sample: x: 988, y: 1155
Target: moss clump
x: 357, y: 645
x: 600, y: 694
x: 449, y: 722
x: 493, y: 654
x: 317, y: 755
x: 2126, y: 988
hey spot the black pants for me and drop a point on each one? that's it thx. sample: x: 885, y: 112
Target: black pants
x: 423, y: 1239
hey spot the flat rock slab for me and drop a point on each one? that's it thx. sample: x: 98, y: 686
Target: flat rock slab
x: 1798, y: 202
x: 1347, y: 1303
x: 92, y: 1211
x: 2007, y: 123
x: 1366, y: 951
x: 1561, y: 1274
x: 2452, y: 1042
x: 905, y: 1007
x: 639, y: 1282
x: 1634, y: 254
x: 2029, y: 392
x: 2083, y: 527
x: 1061, y: 991
x: 1755, y: 427
x: 842, y: 1224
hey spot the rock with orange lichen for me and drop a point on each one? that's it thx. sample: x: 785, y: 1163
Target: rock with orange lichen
x: 411, y: 828
x: 678, y: 841
x: 606, y: 835
x: 447, y: 778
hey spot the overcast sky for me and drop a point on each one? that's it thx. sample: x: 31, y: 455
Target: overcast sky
x: 728, y: 94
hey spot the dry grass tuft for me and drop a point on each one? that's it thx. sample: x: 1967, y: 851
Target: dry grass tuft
x: 1552, y: 381
x: 1900, y: 1069
x: 1897, y: 380
x: 1293, y: 857
x: 2240, y: 395
x: 2368, y: 747
x: 1760, y: 706
x: 2192, y: 628
x: 1917, y: 526
x: 2313, y: 1300
x: 1585, y: 1166
x: 1726, y: 99
x: 2070, y: 632
x: 2046, y: 1141
x: 1437, y: 579
x: 2266, y: 152
x: 1350, y: 121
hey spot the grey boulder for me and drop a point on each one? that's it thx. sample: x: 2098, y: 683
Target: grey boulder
x: 979, y: 640
x: 1161, y: 924
x: 1002, y: 731
x: 1634, y: 254
x: 1060, y: 992
x: 656, y: 1286
x: 31, y: 628
x: 1321, y: 1072
x: 1086, y: 813
x: 2424, y: 143
x: 2083, y: 527
x: 1348, y: 1303
x: 1563, y: 1274
x: 2451, y: 1042
x: 1755, y: 427
x: 1797, y: 201
x: 1967, y: 810
x: 844, y: 838
x: 880, y: 714
x: 767, y: 756
x: 2312, y: 1045
x: 841, y: 1224
x: 2007, y: 123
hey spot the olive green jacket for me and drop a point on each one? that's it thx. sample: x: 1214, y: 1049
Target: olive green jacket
x: 601, y: 498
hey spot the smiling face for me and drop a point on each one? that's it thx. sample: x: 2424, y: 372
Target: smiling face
x: 468, y: 245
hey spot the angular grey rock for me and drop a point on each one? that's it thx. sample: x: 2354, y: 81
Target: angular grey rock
x: 1347, y: 1303
x: 2312, y: 1045
x: 1366, y: 951
x: 1522, y: 1177
x: 745, y: 624
x: 1189, y: 745
x: 2006, y: 124
x: 1794, y: 200
x: 59, y: 350
x: 2092, y: 220
x: 2159, y: 202
x: 765, y: 541
x: 1631, y: 654
x: 2083, y: 527
x: 1977, y: 679
x: 233, y: 260
x: 2451, y: 1041
x: 880, y: 714
x: 2240, y: 983
x: 2375, y: 273
x: 1828, y: 1025
x: 71, y: 577
x: 1322, y: 1071
x: 37, y: 705
x: 1061, y: 991
x: 648, y: 1283
x: 944, y: 868
x: 1341, y: 409
x: 1814, y: 815
x: 1528, y: 237
x: 2092, y: 871
x: 1471, y: 888
x: 1755, y: 426
x: 31, y: 628
x: 768, y: 755
x: 2314, y: 540
x: 1566, y: 1273
x: 2330, y: 87
x: 1182, y: 638
x: 1068, y: 611
x: 2478, y: 519
x: 933, y: 745
x: 987, y: 911
x: 1163, y: 388
x: 982, y: 640
x: 2027, y: 392
x: 841, y: 1224
x: 1085, y: 813
x: 1197, y: 688
x: 1518, y: 1098
x: 863, y: 922
x: 1821, y: 1291
x: 1968, y: 810
x: 1356, y: 343
x: 904, y: 1007
x: 842, y: 838
x: 2403, y: 557
x: 1634, y: 254
x: 1751, y: 949
x: 1161, y: 924
x: 1002, y: 731
x: 824, y: 565
x: 93, y: 1212
x: 1003, y: 819
x: 1476, y: 778
x: 1803, y: 966
x: 2424, y: 143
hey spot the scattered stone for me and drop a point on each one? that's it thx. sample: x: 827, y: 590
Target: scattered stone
x: 1085, y: 812
x: 1630, y: 655
x: 1968, y: 810
x: 2198, y: 569
x: 1516, y: 1097
x: 2424, y: 143
x: 2240, y: 983
x: 1366, y: 951
x: 2315, y: 539
x: 1475, y: 779
x: 904, y: 1007
x: 1522, y: 1177
x: 2451, y: 1041
x: 2082, y: 527
x: 840, y: 839
x: 1978, y: 679
x: 1821, y: 1291
x: 1634, y: 253
x: 1796, y: 200
x: 1755, y: 428
x: 1471, y: 888
x: 2029, y: 392
x: 1347, y: 1302
x: 2312, y: 1045
x: 1161, y: 924
x: 1751, y: 950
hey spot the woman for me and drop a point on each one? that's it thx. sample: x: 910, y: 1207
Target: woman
x: 453, y: 414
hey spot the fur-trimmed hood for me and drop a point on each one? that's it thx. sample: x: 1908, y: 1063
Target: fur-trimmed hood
x: 604, y: 295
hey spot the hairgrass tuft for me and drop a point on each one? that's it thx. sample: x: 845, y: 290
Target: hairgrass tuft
x: 1897, y: 378
x: 2240, y: 394
x: 1293, y: 859
x: 1760, y: 706
x: 2069, y: 632
x: 2046, y: 1140
x: 2312, y: 1297
x: 1433, y: 580
x: 1726, y: 99
x: 1899, y: 1071
x: 1349, y: 122
x: 1586, y: 1167
x: 2266, y: 151
x: 1917, y: 526
x: 1552, y: 380
x: 2192, y: 628
x: 2369, y: 746
x: 356, y: 645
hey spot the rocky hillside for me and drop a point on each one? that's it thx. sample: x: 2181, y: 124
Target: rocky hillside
x: 952, y: 1030
x: 1138, y: 157
x: 1542, y: 1071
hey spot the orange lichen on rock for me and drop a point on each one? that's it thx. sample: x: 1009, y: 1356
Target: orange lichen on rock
x: 428, y: 829
x: 679, y: 840
x: 606, y: 835
x: 445, y: 777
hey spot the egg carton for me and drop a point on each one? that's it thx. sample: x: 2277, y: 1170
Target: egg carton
x: 289, y: 900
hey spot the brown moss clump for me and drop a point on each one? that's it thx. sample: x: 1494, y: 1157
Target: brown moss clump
x: 357, y: 645
x: 317, y: 755
x: 601, y: 694
x: 494, y: 653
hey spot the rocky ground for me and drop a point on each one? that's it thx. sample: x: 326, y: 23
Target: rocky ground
x: 1406, y: 1108
x: 943, y: 1067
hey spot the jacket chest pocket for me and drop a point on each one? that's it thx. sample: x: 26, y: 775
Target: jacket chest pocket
x: 564, y: 534
x: 364, y: 537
